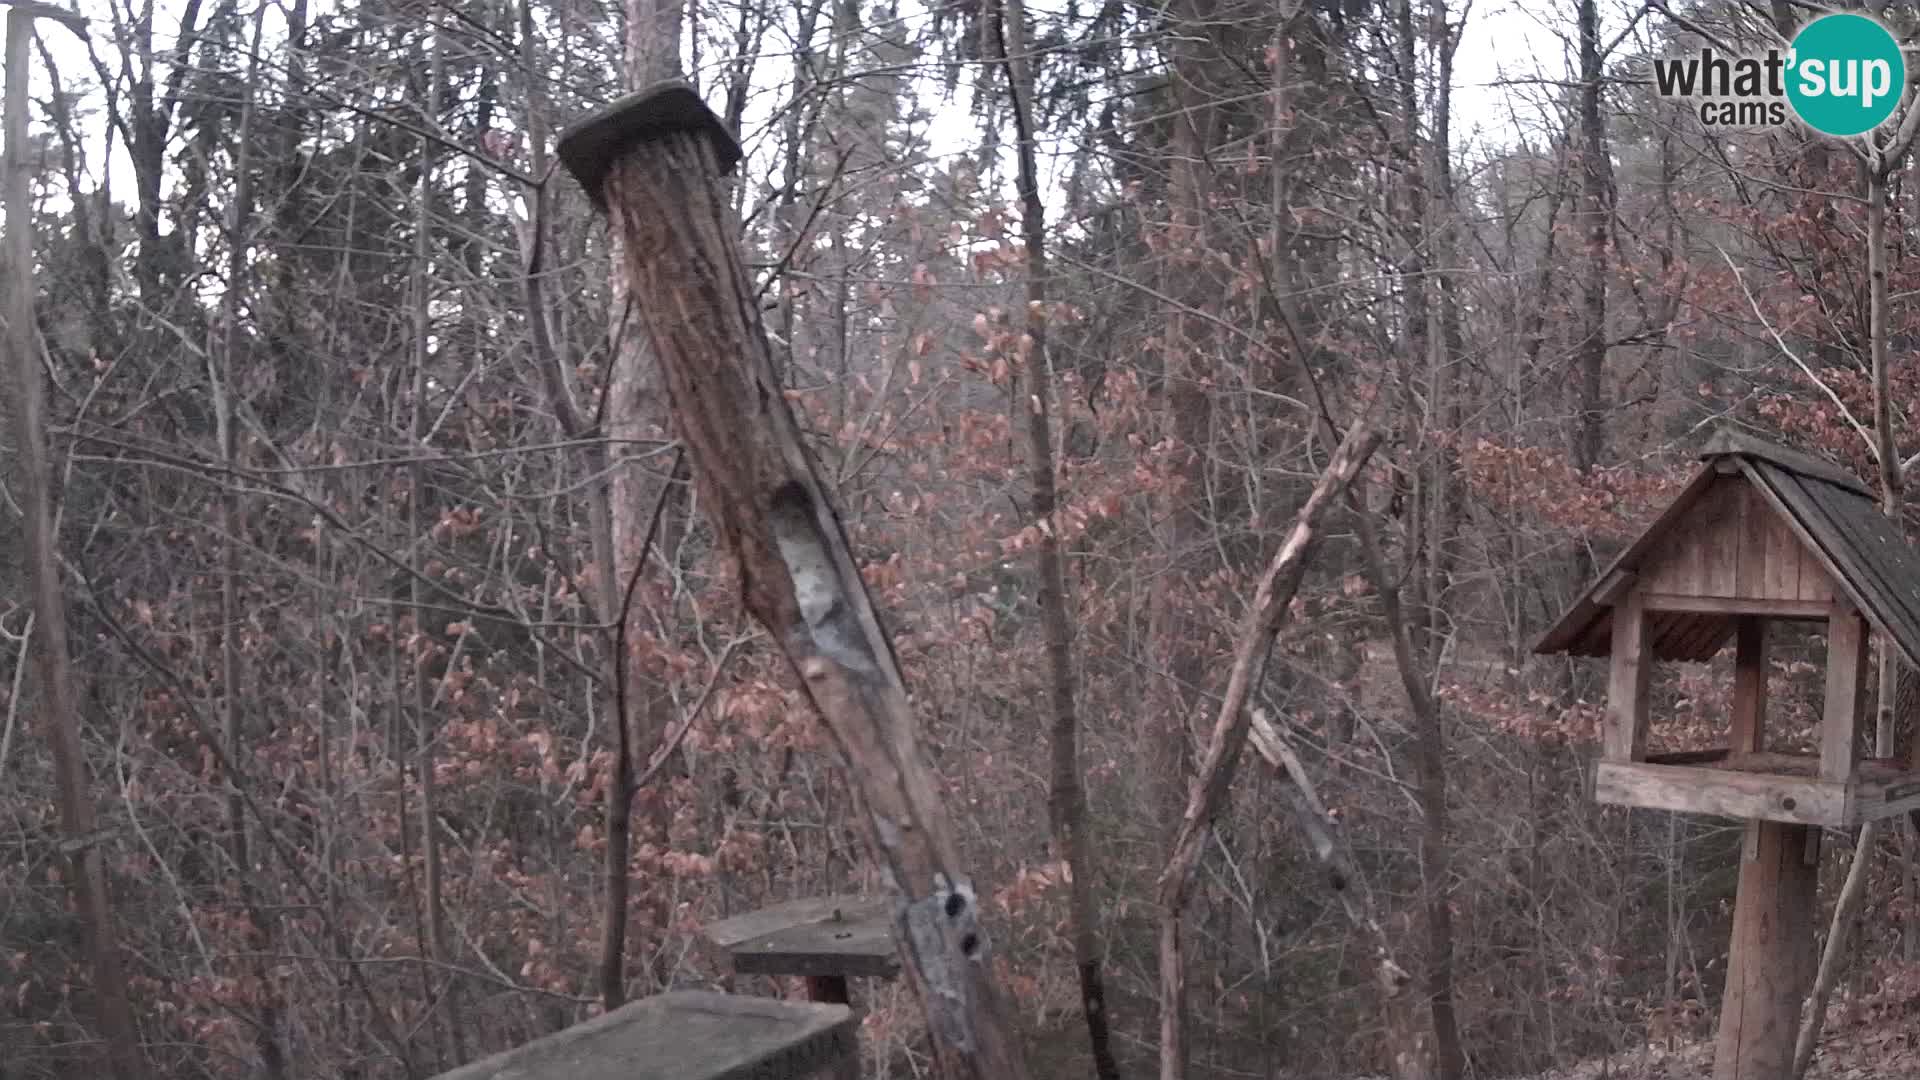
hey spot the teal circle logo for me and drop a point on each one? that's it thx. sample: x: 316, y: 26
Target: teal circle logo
x: 1845, y: 74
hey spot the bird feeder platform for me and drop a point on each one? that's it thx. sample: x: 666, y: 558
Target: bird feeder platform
x: 686, y: 1035
x: 824, y: 940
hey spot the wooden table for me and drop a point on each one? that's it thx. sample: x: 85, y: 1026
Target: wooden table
x: 824, y: 940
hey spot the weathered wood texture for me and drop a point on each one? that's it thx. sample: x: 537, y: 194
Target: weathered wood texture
x: 1846, y: 697
x: 1760, y: 529
x: 1749, y: 686
x: 1625, y: 737
x: 1770, y: 961
x: 1764, y: 786
x: 1694, y: 789
x: 686, y: 1035
x: 1732, y: 545
x: 833, y: 935
x: 656, y: 160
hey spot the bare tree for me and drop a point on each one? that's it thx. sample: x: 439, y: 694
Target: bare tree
x: 53, y: 666
x: 1067, y: 803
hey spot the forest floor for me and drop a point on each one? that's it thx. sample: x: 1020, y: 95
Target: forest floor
x: 1882, y: 1048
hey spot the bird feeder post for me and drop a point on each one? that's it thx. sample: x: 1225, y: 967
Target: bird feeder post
x: 1770, y: 959
x: 655, y: 162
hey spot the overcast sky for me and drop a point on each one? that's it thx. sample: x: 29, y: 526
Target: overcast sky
x: 1505, y: 41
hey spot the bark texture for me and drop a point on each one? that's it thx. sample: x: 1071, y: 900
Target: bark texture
x: 769, y: 510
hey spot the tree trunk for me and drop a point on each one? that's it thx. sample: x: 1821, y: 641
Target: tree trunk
x: 1771, y: 953
x: 1853, y: 892
x: 1067, y: 802
x: 448, y: 1020
x: 1596, y: 181
x: 632, y: 410
x: 59, y: 707
x: 231, y: 516
x: 1177, y: 637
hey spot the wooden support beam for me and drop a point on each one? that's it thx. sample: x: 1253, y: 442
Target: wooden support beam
x: 1749, y: 686
x: 1613, y: 587
x: 1846, y: 693
x: 1632, y: 665
x: 1727, y: 605
x: 1771, y: 959
x: 1688, y: 789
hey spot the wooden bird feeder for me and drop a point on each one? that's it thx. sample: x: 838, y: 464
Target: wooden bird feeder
x: 686, y: 1035
x: 1761, y: 534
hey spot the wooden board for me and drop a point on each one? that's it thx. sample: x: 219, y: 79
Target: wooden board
x: 686, y: 1035
x: 1727, y: 440
x: 833, y: 935
x: 1721, y: 792
x: 1757, y: 786
x: 1733, y: 545
x: 1624, y: 737
x: 1846, y: 694
x: 1874, y: 799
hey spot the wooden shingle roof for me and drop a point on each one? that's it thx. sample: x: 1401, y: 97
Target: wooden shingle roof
x: 1832, y: 513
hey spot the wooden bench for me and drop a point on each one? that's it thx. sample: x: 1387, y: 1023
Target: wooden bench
x: 686, y: 1035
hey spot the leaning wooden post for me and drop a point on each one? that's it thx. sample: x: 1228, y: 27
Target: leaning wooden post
x: 654, y: 161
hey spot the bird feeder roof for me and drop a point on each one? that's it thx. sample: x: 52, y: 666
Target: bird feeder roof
x: 1828, y: 511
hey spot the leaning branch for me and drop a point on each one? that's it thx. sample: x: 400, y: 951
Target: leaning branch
x: 1209, y: 789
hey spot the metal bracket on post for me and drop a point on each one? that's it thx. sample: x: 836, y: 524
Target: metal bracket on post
x: 590, y: 145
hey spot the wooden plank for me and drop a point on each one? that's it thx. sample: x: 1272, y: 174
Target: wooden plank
x: 1783, y: 549
x: 1727, y: 605
x: 1749, y: 686
x: 1816, y: 587
x: 1803, y: 519
x: 738, y: 929
x: 1774, y: 762
x: 1877, y: 799
x: 1689, y: 757
x: 1575, y: 625
x: 1630, y: 670
x: 1613, y: 586
x: 1685, y: 564
x: 824, y: 936
x: 1729, y: 441
x: 1770, y: 961
x: 686, y: 1035
x: 1750, y: 536
x: 1718, y: 539
x: 1846, y: 693
x: 1720, y: 792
